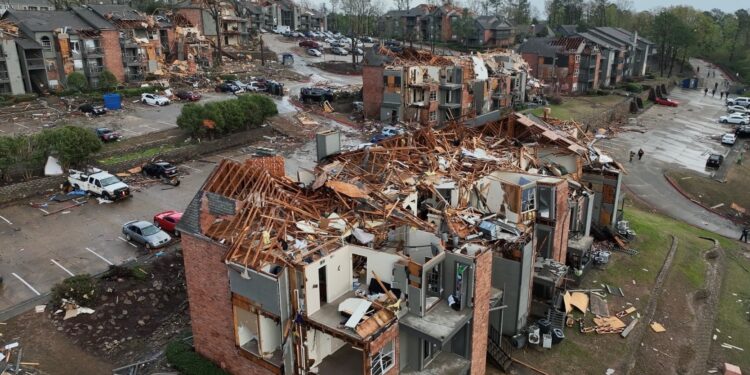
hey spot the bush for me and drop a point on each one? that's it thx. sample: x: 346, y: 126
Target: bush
x: 72, y: 145
x: 137, y: 91
x: 556, y: 100
x: 107, y: 81
x: 80, y: 288
x: 229, y: 116
x: 188, y: 362
x: 77, y: 82
x: 633, y: 87
x: 228, y: 77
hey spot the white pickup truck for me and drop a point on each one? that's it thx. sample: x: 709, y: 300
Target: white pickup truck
x: 98, y: 182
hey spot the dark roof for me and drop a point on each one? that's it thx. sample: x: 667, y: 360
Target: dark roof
x: 38, y: 21
x: 541, y: 28
x: 395, y: 13
x: 26, y: 43
x: 91, y: 18
x: 596, y: 40
x: 567, y: 30
x: 492, y: 23
x: 117, y: 12
x: 419, y: 10
x: 190, y: 221
x: 539, y: 46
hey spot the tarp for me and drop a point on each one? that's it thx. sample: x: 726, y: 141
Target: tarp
x: 52, y: 168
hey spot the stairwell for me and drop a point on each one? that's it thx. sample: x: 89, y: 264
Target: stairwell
x: 499, y: 350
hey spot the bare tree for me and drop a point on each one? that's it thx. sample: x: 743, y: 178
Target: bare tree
x: 360, y: 13
x: 215, y: 8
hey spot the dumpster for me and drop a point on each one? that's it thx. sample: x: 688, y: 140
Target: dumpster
x: 112, y: 101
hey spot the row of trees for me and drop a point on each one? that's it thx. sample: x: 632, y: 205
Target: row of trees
x: 24, y: 155
x: 227, y: 116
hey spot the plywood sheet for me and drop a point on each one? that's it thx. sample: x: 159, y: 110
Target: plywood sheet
x: 580, y: 301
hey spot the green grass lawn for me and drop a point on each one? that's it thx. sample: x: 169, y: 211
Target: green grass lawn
x: 733, y: 319
x: 579, y: 106
x: 147, y: 153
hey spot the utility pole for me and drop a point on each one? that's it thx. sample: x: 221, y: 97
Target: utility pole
x: 262, y: 54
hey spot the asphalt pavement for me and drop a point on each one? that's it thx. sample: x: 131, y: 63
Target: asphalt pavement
x: 681, y: 137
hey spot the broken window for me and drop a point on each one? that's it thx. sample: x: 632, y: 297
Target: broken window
x: 546, y: 196
x: 528, y: 200
x: 433, y: 116
x: 383, y: 360
x: 46, y: 42
x: 256, y: 333
x: 75, y: 46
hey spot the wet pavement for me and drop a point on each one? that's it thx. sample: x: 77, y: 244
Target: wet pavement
x: 681, y: 137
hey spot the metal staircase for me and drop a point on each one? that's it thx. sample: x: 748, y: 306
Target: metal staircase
x: 499, y: 349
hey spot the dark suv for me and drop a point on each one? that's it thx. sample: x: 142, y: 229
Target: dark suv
x: 742, y: 131
x: 714, y: 161
x: 160, y: 169
x: 315, y: 94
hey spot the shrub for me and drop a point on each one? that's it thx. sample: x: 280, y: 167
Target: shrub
x: 137, y: 91
x: 633, y: 87
x: 79, y: 288
x: 191, y: 119
x: 556, y: 100
x: 265, y: 104
x: 229, y: 116
x: 188, y: 362
x: 72, y: 145
x: 77, y: 82
x: 228, y: 77
x: 107, y: 81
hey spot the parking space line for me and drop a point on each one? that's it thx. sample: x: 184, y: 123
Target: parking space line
x: 195, y: 169
x: 129, y: 243
x: 101, y: 257
x: 6, y: 220
x: 27, y: 284
x: 63, y: 268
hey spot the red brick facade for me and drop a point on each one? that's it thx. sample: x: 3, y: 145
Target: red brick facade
x: 194, y: 15
x: 481, y: 316
x: 372, y: 90
x: 110, y: 42
x: 391, y: 334
x: 211, y: 306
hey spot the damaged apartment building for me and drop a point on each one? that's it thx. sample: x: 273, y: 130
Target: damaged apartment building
x: 416, y: 86
x: 412, y: 256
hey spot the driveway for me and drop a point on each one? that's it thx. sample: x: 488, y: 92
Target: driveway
x: 680, y: 137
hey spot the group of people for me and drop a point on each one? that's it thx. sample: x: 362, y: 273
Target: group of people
x: 640, y: 154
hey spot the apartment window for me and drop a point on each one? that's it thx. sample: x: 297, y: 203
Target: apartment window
x: 75, y: 46
x: 434, y: 281
x: 578, y: 58
x: 528, y: 200
x: 433, y: 116
x: 382, y: 361
x: 43, y: 8
x: 32, y: 8
x: 549, y: 60
x: 433, y: 96
x: 46, y: 42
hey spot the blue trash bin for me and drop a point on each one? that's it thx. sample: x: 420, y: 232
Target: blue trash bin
x: 112, y: 101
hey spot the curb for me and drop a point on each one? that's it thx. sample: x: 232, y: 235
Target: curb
x: 326, y: 115
x: 674, y: 184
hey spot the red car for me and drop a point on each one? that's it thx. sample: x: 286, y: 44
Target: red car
x: 167, y: 221
x: 309, y: 44
x: 667, y: 102
x: 188, y: 95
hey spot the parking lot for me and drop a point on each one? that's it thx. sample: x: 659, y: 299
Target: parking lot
x: 674, y: 138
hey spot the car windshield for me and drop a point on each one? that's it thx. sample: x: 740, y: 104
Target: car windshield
x: 149, y: 230
x: 109, y: 181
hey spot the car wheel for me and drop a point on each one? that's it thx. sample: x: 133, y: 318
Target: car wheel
x: 106, y: 196
x: 177, y: 233
x: 723, y: 121
x: 143, y: 101
x: 127, y: 237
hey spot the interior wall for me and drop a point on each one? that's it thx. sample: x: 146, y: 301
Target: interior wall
x: 338, y: 275
x: 500, y: 198
x: 247, y: 325
x: 559, y: 156
x: 379, y: 262
x: 321, y: 345
x: 270, y: 333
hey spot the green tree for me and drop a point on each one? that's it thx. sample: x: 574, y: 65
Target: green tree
x: 71, y: 144
x: 78, y: 82
x: 107, y: 80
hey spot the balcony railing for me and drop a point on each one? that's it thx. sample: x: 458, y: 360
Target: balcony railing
x: 35, y: 63
x: 94, y: 70
x: 131, y: 59
x: 94, y: 50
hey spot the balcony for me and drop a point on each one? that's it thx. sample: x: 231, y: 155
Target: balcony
x: 91, y: 51
x: 35, y: 63
x: 94, y: 71
x: 449, y: 105
x: 450, y: 85
x: 131, y: 59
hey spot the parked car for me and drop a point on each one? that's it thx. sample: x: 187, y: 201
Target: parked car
x: 314, y: 52
x: 188, y: 95
x: 737, y: 109
x: 229, y: 87
x: 98, y: 182
x: 728, y: 139
x: 107, y: 134
x: 296, y: 34
x: 167, y: 221
x: 742, y: 100
x: 95, y: 110
x: 254, y: 86
x: 735, y: 118
x: 742, y: 131
x: 666, y: 102
x: 390, y: 131
x: 309, y: 44
x: 153, y: 99
x: 159, y: 169
x: 315, y: 94
x: 145, y: 233
x: 366, y: 39
x: 714, y: 161
x: 339, y: 51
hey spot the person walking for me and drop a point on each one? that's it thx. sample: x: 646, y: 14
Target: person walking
x: 640, y: 153
x: 713, y: 93
x: 745, y: 231
x: 721, y: 95
x: 705, y: 91
x: 716, y: 85
x: 632, y: 155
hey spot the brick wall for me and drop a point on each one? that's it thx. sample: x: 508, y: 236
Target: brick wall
x: 211, y: 306
x: 391, y: 334
x: 110, y: 42
x: 194, y: 16
x: 481, y: 316
x: 372, y: 90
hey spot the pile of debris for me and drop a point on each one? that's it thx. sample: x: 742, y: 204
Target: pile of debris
x: 12, y: 362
